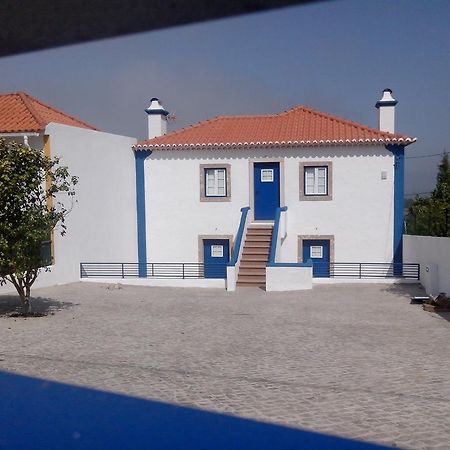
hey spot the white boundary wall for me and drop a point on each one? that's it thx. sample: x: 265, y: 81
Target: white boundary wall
x: 161, y: 282
x: 433, y: 255
x: 288, y: 278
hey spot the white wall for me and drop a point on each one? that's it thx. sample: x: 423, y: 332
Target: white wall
x: 288, y: 278
x: 101, y: 226
x: 433, y: 255
x: 360, y: 216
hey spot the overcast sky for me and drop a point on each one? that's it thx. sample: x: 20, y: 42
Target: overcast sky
x: 332, y: 56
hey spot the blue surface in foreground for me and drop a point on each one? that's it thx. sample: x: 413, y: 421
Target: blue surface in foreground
x: 38, y: 414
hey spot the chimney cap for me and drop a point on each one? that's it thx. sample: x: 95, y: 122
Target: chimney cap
x: 387, y: 99
x: 156, y: 107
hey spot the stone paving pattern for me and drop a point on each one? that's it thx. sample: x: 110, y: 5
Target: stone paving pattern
x: 357, y: 361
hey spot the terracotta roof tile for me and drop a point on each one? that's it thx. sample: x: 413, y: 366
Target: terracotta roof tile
x: 299, y: 126
x: 21, y: 113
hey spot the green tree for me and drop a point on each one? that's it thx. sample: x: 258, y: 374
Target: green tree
x: 29, y: 184
x: 430, y: 216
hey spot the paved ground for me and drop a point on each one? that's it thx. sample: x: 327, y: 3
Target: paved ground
x: 351, y: 360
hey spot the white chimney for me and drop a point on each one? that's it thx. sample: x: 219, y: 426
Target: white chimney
x: 157, y: 118
x: 386, y: 112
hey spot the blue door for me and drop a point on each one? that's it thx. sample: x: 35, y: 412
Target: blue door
x: 266, y: 178
x: 318, y: 251
x: 216, y: 255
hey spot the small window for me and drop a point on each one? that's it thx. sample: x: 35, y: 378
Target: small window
x: 316, y: 180
x: 217, y: 251
x: 316, y: 252
x: 266, y: 175
x: 216, y: 182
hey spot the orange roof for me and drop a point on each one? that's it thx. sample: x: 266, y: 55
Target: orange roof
x: 299, y: 126
x: 21, y: 113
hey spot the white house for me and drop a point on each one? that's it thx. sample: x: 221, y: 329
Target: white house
x: 101, y: 224
x: 301, y: 186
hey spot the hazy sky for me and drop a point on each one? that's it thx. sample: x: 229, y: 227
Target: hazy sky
x: 333, y: 56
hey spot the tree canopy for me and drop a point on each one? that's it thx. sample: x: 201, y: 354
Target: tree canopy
x: 29, y: 212
x: 430, y: 216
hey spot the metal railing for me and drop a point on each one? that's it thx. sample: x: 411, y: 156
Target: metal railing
x: 153, y: 270
x: 366, y: 270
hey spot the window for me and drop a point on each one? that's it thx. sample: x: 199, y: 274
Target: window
x: 316, y: 180
x: 215, y: 182
x: 266, y: 175
x: 316, y: 252
x: 217, y: 251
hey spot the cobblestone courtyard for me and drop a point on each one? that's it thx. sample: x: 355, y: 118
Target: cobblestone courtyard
x: 356, y: 361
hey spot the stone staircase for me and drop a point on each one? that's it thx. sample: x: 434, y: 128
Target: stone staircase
x: 255, y: 255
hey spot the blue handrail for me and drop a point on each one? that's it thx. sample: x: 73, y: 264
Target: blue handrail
x: 276, y: 226
x: 240, y: 233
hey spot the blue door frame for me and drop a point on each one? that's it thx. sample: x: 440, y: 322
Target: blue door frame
x: 320, y: 256
x: 216, y: 255
x: 266, y: 181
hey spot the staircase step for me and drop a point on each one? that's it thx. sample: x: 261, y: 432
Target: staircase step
x: 255, y: 257
x: 258, y: 238
x: 259, y: 231
x: 249, y: 284
x: 255, y: 251
x: 252, y: 272
x: 251, y: 244
x: 251, y: 279
x: 253, y: 264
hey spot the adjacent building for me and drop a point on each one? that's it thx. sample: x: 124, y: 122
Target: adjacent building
x: 101, y: 224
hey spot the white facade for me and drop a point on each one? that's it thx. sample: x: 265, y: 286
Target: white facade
x: 359, y: 216
x: 102, y: 223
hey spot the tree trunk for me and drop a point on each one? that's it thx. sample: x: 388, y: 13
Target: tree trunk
x: 26, y: 304
x: 24, y: 293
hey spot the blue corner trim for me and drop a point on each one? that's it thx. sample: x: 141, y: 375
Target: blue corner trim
x: 140, y: 157
x: 399, y: 186
x: 276, y: 226
x: 240, y: 233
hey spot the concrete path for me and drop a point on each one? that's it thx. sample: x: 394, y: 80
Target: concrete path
x: 357, y: 361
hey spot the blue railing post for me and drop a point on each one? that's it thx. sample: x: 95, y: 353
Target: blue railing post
x: 240, y: 232
x: 276, y: 226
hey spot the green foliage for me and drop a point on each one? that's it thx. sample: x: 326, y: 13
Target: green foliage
x: 28, y: 180
x: 430, y: 216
